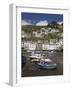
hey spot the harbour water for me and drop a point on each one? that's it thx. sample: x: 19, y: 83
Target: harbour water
x: 30, y: 69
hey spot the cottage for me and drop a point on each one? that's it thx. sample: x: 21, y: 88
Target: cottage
x: 53, y: 30
x: 32, y: 46
x: 45, y: 46
x: 37, y: 34
x: 44, y: 31
x: 51, y: 46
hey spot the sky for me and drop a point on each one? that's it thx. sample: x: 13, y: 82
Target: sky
x: 40, y: 19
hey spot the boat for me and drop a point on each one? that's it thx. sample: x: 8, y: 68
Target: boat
x: 47, y: 64
x: 35, y: 61
x: 35, y: 56
x: 51, y: 52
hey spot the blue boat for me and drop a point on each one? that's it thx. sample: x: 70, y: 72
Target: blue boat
x: 47, y: 65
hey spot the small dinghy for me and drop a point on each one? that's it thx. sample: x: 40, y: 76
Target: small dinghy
x: 48, y: 64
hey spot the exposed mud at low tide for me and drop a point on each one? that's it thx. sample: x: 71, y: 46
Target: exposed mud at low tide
x: 30, y: 69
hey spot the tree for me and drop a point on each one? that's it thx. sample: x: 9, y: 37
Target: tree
x: 53, y: 24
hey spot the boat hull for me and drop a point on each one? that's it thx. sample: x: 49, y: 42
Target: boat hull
x: 47, y: 66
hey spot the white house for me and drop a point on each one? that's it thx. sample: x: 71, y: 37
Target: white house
x: 53, y: 30
x: 37, y: 34
x: 32, y: 46
x: 29, y: 45
x: 48, y: 30
x: 44, y: 31
x: 51, y: 46
x: 45, y: 46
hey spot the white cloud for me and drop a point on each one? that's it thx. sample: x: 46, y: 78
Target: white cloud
x: 25, y: 23
x: 60, y: 23
x: 42, y: 23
